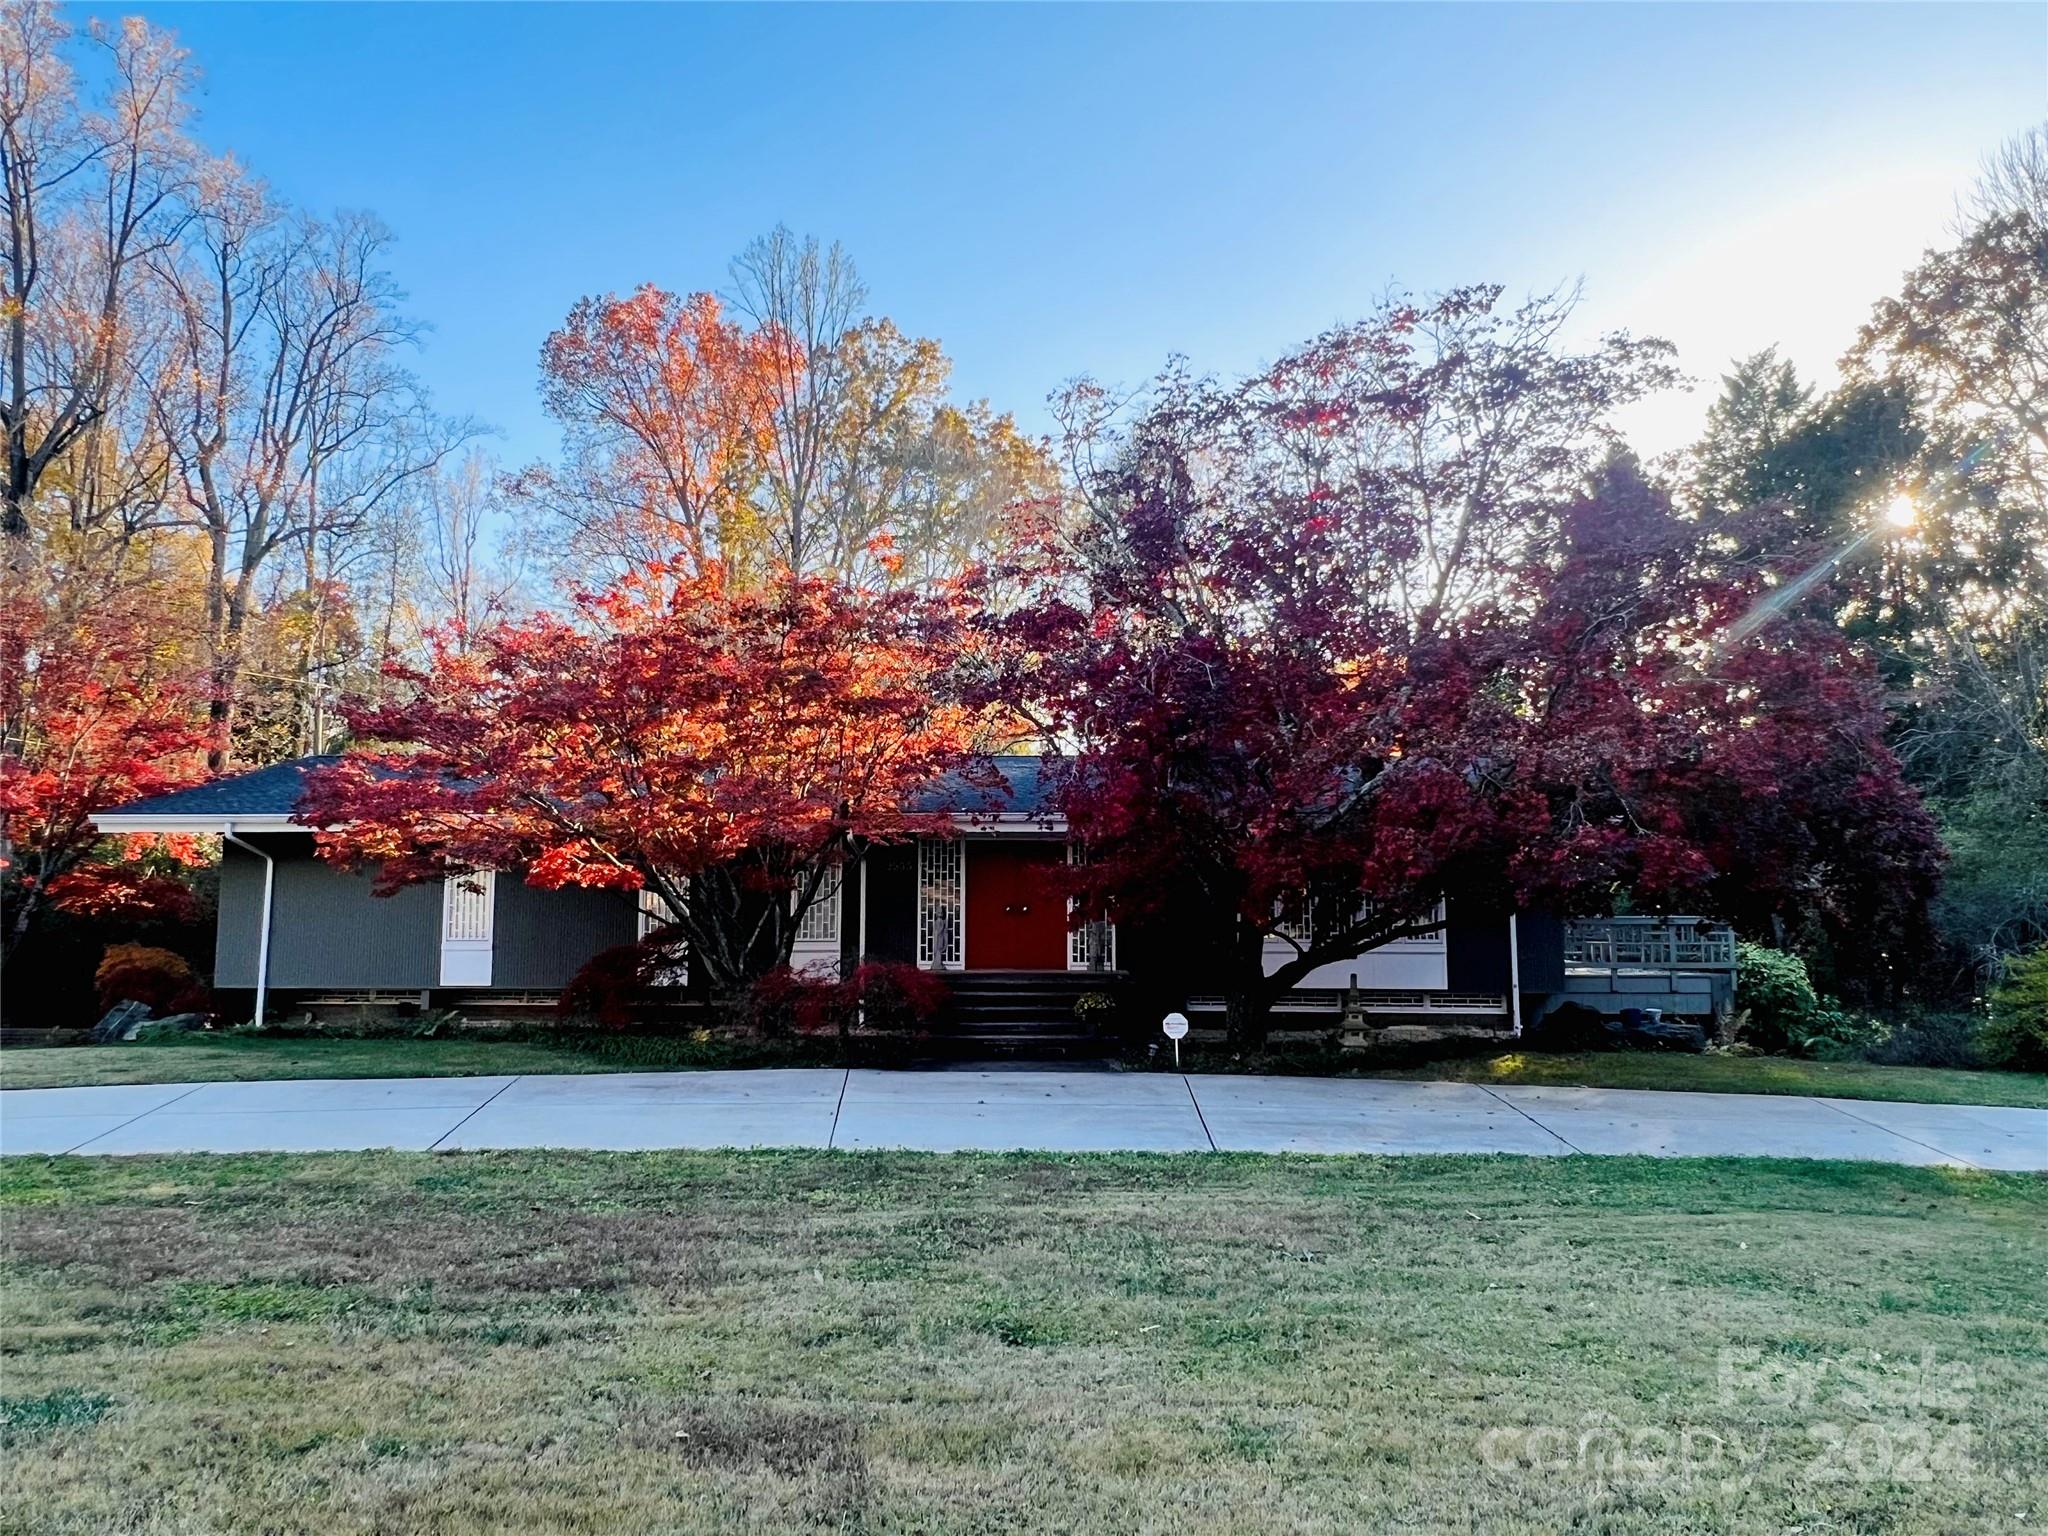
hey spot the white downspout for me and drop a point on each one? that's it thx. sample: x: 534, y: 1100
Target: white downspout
x: 1514, y: 978
x: 263, y: 929
x: 860, y: 940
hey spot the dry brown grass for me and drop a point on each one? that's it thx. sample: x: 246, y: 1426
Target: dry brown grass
x: 680, y: 1342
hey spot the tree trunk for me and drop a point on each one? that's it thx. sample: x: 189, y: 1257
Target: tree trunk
x: 1247, y: 1015
x: 21, y: 914
x: 216, y: 634
x: 1248, y: 1003
x: 225, y: 706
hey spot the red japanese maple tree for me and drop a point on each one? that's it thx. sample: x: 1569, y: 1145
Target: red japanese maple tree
x: 725, y: 747
x: 1349, y: 639
x: 99, y: 708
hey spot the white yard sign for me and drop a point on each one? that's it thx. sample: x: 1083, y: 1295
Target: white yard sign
x: 1176, y: 1027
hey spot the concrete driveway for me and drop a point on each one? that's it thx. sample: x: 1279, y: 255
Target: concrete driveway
x: 1000, y: 1109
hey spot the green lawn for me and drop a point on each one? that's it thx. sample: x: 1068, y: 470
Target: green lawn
x: 200, y: 1058
x: 211, y: 1058
x: 549, y: 1343
x: 1740, y: 1074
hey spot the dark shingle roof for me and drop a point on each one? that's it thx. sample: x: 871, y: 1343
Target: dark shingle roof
x: 1026, y: 786
x: 272, y: 791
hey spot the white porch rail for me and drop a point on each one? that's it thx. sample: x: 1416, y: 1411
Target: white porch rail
x: 1649, y: 943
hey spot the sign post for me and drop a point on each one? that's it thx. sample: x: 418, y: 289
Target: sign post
x: 1176, y: 1027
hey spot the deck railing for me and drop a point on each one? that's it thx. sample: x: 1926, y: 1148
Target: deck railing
x: 1650, y: 943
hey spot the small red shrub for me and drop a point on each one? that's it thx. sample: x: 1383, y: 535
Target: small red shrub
x: 881, y: 997
x: 157, y: 978
x: 896, y: 997
x: 613, y: 983
x: 786, y: 1001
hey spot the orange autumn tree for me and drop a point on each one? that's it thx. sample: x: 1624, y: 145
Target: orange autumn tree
x: 665, y: 406
x: 100, y: 706
x: 728, y: 748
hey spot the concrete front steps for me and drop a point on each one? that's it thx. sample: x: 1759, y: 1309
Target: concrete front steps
x: 1025, y: 1014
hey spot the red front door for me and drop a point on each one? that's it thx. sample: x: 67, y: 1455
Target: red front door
x: 1016, y: 920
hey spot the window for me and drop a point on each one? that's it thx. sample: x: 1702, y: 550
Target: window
x: 655, y: 912
x: 1300, y: 931
x: 820, y: 922
x: 1433, y: 939
x: 466, y: 908
x: 1091, y: 946
x: 941, y: 889
x: 1295, y: 928
x: 466, y: 902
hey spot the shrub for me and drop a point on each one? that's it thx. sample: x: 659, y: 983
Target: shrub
x: 698, y: 1047
x: 172, y: 1029
x: 1569, y: 1028
x: 1787, y: 1013
x: 786, y: 1002
x: 1842, y: 1034
x: 371, y: 1021
x: 1096, y: 1010
x: 2016, y: 1034
x: 1772, y: 987
x: 614, y: 982
x: 159, y: 979
x: 1929, y: 1040
x: 881, y: 997
x: 898, y: 998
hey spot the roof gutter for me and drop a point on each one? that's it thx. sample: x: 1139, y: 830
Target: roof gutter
x: 114, y: 822
x: 227, y: 832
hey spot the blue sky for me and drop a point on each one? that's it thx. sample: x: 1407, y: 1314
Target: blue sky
x: 1054, y: 191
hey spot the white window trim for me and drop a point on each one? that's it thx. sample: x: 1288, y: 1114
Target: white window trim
x: 653, y: 910
x: 820, y: 924
x: 941, y: 903
x: 1099, y: 934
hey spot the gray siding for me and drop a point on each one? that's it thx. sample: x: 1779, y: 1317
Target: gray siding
x: 327, y: 930
x: 1541, y: 946
x: 540, y: 939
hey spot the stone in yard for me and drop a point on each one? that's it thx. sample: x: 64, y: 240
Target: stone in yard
x: 123, y: 1021
x: 175, y: 1024
x: 1666, y: 1034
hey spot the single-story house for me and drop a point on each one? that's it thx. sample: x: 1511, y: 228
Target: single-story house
x: 295, y: 930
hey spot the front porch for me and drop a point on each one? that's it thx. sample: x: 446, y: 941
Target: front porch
x: 989, y: 902
x: 1678, y: 965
